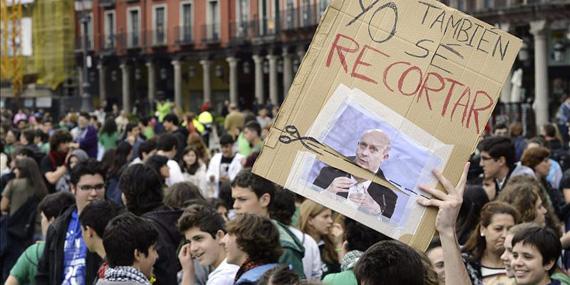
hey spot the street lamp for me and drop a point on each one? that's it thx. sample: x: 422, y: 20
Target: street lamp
x: 85, y: 98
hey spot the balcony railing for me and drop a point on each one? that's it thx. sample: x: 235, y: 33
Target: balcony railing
x: 109, y: 42
x: 157, y: 37
x: 211, y: 33
x: 184, y: 35
x: 107, y: 3
x: 79, y: 43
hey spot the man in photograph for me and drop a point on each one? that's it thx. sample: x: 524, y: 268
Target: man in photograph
x: 373, y: 149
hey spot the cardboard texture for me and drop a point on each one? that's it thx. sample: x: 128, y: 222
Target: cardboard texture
x: 427, y: 75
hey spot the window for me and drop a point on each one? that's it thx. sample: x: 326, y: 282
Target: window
x: 307, y: 17
x: 263, y: 17
x: 213, y: 28
x: 109, y: 29
x: 159, y: 25
x: 186, y: 22
x: 242, y: 17
x: 133, y: 27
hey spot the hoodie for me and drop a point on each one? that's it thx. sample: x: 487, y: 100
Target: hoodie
x: 293, y: 250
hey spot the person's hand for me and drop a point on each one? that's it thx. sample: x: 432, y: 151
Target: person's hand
x: 337, y: 234
x: 448, y: 203
x: 341, y: 184
x: 185, y: 258
x: 73, y: 146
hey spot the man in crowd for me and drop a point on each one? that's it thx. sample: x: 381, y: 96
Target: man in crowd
x: 373, y: 149
x: 497, y: 160
x: 171, y: 125
x: 204, y: 231
x: 86, y: 135
x: 53, y: 165
x: 252, y: 243
x: 166, y: 146
x: 94, y: 218
x: 130, y: 244
x: 253, y: 195
x: 224, y: 166
x: 252, y: 133
x: 66, y: 259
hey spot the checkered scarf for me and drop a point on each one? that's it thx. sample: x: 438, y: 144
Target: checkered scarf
x: 349, y: 260
x: 125, y: 274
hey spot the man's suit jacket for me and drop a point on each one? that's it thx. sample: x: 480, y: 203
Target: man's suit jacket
x: 385, y: 197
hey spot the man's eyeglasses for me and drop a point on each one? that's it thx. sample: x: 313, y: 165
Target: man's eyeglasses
x: 96, y: 187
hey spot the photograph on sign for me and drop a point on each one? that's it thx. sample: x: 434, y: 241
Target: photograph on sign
x: 381, y: 141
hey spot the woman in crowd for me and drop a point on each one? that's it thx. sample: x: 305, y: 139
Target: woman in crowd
x: 118, y: 164
x: 483, y: 249
x: 108, y: 136
x: 194, y: 139
x: 19, y: 200
x: 195, y: 171
x: 316, y: 220
x: 537, y: 158
x: 524, y: 197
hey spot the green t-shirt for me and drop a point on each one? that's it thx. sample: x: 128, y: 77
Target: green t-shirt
x: 108, y: 141
x: 342, y: 278
x: 27, y: 265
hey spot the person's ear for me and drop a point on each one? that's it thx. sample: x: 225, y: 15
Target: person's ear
x: 139, y: 256
x: 72, y: 188
x: 549, y: 265
x: 502, y: 160
x: 482, y: 231
x: 265, y: 199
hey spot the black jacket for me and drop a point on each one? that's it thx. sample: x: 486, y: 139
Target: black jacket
x: 50, y: 267
x: 385, y: 197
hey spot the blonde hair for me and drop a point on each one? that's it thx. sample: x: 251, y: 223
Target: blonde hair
x: 308, y: 211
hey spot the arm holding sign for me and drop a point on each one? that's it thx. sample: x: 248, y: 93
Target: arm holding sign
x: 448, y: 205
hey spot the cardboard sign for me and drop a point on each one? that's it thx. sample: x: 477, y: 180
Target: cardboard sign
x: 387, y: 92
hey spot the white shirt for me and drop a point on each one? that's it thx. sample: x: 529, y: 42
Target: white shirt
x: 175, y: 173
x: 224, y: 274
x: 312, y: 264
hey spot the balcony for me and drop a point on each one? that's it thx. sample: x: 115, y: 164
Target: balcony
x: 211, y: 33
x: 158, y: 37
x: 131, y: 40
x: 184, y: 35
x: 108, y: 43
x: 107, y: 3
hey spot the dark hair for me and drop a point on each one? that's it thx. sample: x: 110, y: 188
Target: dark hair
x: 549, y: 130
x: 283, y: 206
x: 253, y: 126
x: 54, y: 204
x: 84, y: 115
x: 532, y: 157
x: 256, y: 236
x: 203, y: 217
x: 179, y: 193
x: 129, y: 127
x: 390, y: 262
x: 360, y: 237
x: 225, y: 194
x: 543, y: 239
x: 280, y: 275
x: 216, y: 203
x: 30, y: 172
x: 259, y: 185
x: 156, y: 162
x: 59, y: 137
x: 142, y: 187
x: 226, y: 139
x: 29, y: 134
x: 43, y: 136
x: 109, y: 127
x: 120, y: 159
x: 166, y: 142
x: 172, y: 118
x: 97, y: 215
x: 147, y: 146
x: 476, y: 244
x: 124, y: 234
x: 86, y: 167
x: 498, y: 146
x: 191, y: 169
x: 515, y: 129
x: 435, y: 243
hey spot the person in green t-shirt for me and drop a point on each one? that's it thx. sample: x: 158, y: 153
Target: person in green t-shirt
x: 24, y: 271
x: 108, y: 136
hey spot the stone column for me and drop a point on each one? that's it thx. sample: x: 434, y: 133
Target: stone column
x: 538, y: 30
x: 206, y: 64
x: 126, y: 92
x: 102, y: 87
x: 287, y: 72
x: 177, y: 84
x: 151, y: 85
x: 300, y: 54
x: 80, y: 81
x: 233, y: 63
x: 273, y: 93
x: 258, y: 60
x: 507, y: 87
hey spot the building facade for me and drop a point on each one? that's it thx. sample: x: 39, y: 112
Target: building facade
x: 247, y: 51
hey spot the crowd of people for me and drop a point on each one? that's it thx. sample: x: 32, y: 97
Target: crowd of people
x: 111, y: 198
